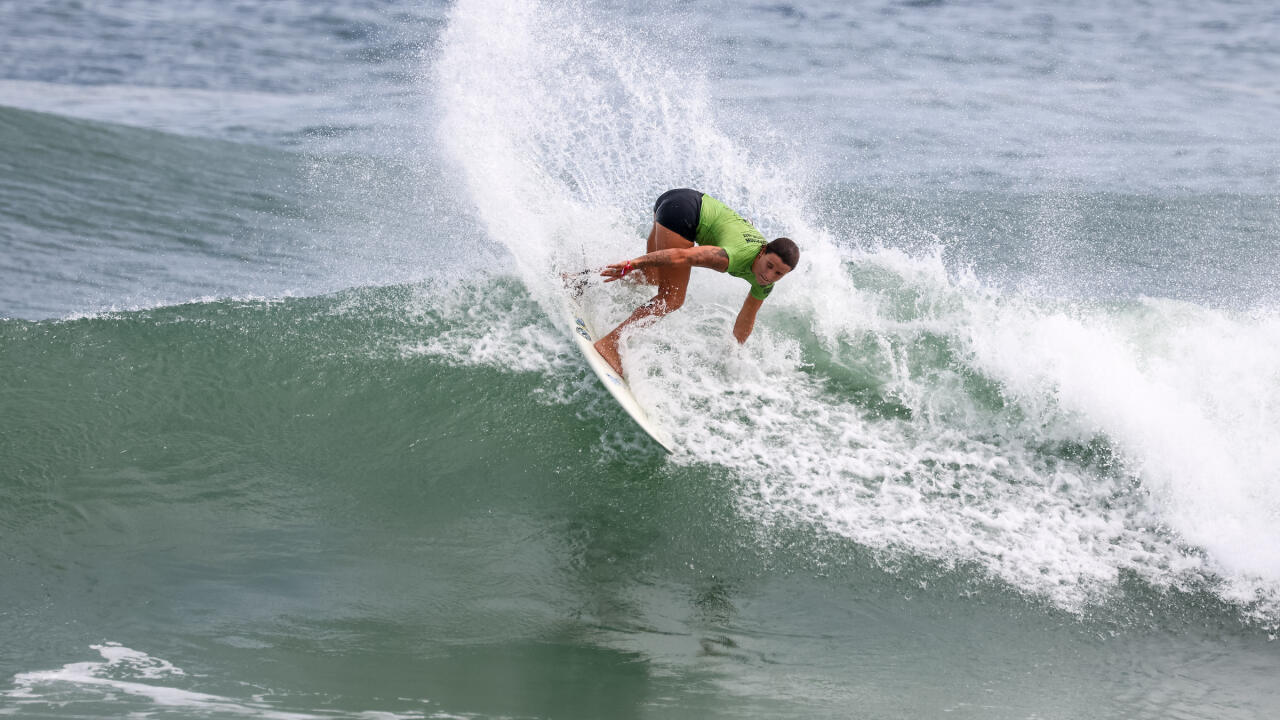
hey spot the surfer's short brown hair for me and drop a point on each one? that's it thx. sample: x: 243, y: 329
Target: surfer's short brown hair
x: 786, y: 250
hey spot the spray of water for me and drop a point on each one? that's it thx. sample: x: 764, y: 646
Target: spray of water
x: 1054, y: 448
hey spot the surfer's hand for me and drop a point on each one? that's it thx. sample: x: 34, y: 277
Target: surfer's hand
x: 616, y: 270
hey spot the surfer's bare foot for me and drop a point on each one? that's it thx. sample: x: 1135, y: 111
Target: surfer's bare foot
x: 608, y: 349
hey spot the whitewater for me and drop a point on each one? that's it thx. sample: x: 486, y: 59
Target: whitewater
x: 997, y: 393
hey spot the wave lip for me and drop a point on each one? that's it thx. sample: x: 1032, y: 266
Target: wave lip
x: 1186, y: 395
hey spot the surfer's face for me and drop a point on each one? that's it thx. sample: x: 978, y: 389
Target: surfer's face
x: 769, y: 268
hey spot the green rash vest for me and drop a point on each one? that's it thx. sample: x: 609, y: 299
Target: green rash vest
x: 720, y: 226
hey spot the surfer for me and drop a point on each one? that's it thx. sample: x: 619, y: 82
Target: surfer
x: 692, y: 229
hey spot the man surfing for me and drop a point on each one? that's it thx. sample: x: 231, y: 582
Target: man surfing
x: 692, y: 229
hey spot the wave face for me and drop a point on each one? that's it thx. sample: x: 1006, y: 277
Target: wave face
x: 288, y: 430
x: 912, y: 410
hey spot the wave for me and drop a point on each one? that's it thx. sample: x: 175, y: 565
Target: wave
x: 98, y: 216
x: 887, y: 404
x: 886, y: 399
x: 1057, y: 452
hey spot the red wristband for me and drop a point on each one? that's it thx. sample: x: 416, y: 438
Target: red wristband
x: 626, y: 268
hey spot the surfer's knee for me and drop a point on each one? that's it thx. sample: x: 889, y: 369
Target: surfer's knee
x: 670, y: 300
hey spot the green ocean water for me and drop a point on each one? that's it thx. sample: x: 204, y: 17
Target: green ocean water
x: 307, y: 515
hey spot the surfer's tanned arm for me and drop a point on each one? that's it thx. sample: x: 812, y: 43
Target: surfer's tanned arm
x: 706, y: 256
x: 746, y: 318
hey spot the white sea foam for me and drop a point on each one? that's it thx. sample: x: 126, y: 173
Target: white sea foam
x: 1189, y: 395
x: 565, y: 132
x: 133, y: 674
x: 484, y: 325
x: 146, y: 686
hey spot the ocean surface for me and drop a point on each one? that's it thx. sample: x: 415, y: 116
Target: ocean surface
x: 290, y: 427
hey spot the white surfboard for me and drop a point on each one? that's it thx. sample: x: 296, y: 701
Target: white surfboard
x: 585, y: 336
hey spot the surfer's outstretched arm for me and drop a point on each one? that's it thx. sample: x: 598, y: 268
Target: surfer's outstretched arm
x: 746, y: 318
x: 707, y: 256
x: 673, y: 266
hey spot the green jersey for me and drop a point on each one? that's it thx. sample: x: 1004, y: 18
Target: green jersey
x: 720, y: 226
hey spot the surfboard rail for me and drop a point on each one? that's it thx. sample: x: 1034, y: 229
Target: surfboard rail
x: 584, y: 336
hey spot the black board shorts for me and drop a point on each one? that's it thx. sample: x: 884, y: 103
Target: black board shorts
x: 678, y: 211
